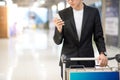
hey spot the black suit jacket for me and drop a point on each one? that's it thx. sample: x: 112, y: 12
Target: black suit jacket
x: 91, y: 26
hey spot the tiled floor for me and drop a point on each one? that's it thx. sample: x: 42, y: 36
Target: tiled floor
x: 33, y: 56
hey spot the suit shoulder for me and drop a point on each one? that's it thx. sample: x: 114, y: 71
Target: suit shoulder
x: 92, y: 8
x: 64, y: 11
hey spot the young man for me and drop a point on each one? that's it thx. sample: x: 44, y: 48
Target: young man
x: 75, y: 29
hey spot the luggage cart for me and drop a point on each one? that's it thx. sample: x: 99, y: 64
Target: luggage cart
x: 101, y: 73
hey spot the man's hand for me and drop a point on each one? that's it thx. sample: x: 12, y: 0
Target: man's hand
x: 102, y: 59
x: 58, y: 23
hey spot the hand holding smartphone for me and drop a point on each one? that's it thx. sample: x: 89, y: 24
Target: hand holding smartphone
x: 58, y: 22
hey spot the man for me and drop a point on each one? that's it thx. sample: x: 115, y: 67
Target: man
x: 75, y: 29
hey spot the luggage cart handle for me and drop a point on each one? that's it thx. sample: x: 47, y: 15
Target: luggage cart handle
x: 86, y: 59
x: 65, y: 59
x: 82, y: 59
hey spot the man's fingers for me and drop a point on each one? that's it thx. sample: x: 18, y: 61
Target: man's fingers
x: 58, y: 22
x: 103, y: 62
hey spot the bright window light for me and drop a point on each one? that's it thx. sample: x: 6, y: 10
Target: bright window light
x: 67, y: 5
x: 54, y: 7
x: 2, y: 3
x: 42, y: 1
x: 61, y: 5
x: 54, y: 10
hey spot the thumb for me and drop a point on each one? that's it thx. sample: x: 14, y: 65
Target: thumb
x: 99, y: 60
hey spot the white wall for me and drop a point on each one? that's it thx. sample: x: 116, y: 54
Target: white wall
x: 88, y: 2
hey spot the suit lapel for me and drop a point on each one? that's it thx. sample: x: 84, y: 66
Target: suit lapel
x: 72, y: 21
x: 73, y: 24
x: 85, y: 17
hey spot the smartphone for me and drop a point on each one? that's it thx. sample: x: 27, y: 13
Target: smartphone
x: 58, y: 16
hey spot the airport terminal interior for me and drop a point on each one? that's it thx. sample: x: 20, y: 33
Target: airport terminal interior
x: 27, y: 49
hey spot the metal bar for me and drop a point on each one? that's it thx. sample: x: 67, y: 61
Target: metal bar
x: 82, y: 59
x: 64, y: 66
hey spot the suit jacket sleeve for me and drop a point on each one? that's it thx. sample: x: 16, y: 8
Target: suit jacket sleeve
x: 58, y: 37
x: 98, y: 33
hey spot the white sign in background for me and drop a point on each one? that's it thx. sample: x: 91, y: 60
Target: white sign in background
x: 111, y: 26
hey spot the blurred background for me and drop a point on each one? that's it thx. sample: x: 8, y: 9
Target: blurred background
x: 27, y: 50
